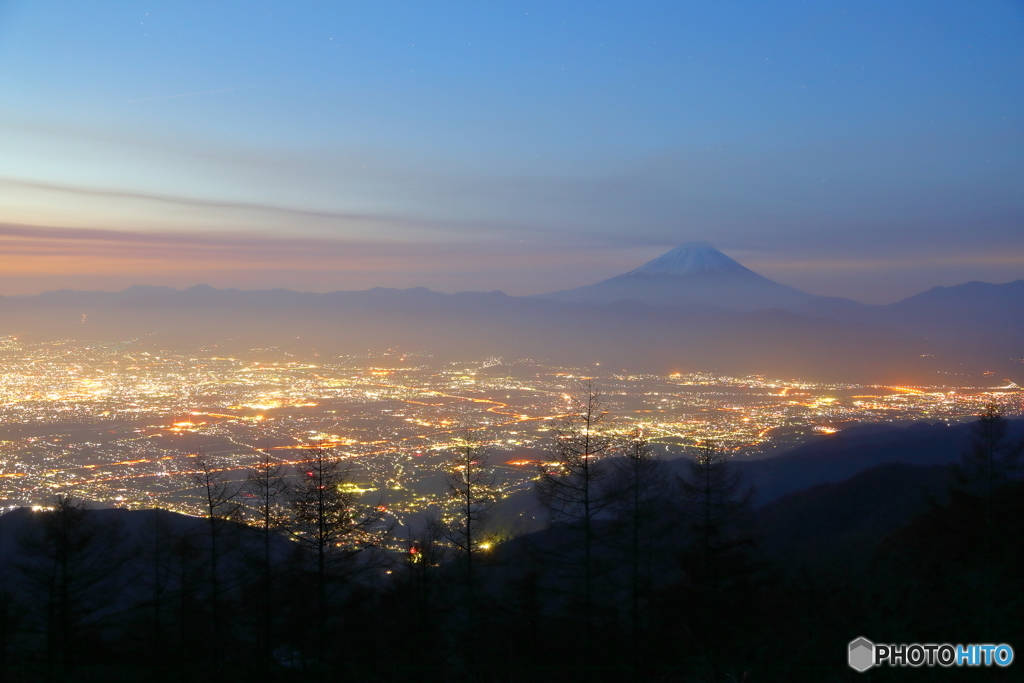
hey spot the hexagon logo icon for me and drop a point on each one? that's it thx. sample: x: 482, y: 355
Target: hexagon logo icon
x: 862, y: 654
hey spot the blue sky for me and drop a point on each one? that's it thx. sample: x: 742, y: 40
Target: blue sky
x: 861, y: 149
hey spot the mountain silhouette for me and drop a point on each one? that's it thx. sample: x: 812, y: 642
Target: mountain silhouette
x: 694, y: 274
x: 947, y: 335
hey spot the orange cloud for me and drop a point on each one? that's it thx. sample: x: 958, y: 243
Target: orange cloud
x: 38, y: 250
x: 34, y: 258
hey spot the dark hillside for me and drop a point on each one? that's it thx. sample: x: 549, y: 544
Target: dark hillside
x: 840, y: 456
x: 851, y: 515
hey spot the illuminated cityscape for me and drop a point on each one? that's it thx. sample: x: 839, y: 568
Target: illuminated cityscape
x: 557, y: 342
x: 117, y: 424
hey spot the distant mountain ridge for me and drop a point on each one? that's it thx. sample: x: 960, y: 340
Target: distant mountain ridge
x: 694, y: 274
x: 689, y: 322
x: 972, y: 319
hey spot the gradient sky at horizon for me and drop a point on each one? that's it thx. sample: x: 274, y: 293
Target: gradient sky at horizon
x: 867, y: 149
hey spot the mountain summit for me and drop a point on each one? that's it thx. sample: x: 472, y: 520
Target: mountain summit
x: 694, y: 274
x: 690, y: 258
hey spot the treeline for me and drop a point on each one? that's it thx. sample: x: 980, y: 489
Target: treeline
x: 645, y: 572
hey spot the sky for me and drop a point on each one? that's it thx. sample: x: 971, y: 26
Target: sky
x: 867, y: 149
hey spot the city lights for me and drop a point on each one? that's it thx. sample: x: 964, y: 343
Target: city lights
x: 116, y: 423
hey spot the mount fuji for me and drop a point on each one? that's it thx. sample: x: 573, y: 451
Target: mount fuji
x: 701, y: 310
x: 694, y: 274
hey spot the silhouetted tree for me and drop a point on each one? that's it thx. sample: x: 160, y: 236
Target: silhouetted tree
x: 989, y: 464
x: 220, y: 506
x: 189, y: 575
x: 470, y: 485
x: 330, y: 523
x: 717, y: 514
x: 420, y: 589
x: 993, y: 457
x: 152, y: 569
x: 572, y: 486
x: 68, y: 567
x: 268, y: 487
x: 639, y: 487
x: 9, y: 626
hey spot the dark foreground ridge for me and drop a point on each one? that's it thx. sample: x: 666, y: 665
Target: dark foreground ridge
x: 670, y: 576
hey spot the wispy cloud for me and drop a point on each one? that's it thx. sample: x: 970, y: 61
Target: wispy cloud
x: 193, y: 201
x: 74, y: 257
x: 385, y: 227
x: 190, y: 94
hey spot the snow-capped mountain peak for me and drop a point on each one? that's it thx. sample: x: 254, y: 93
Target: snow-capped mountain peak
x: 688, y: 259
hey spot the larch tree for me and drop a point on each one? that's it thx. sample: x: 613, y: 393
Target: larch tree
x: 639, y: 486
x: 329, y: 521
x: 221, y: 505
x: 153, y: 564
x: 268, y: 488
x: 572, y: 486
x: 717, y: 513
x: 70, y: 559
x: 991, y: 461
x: 471, y: 487
x: 470, y: 483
